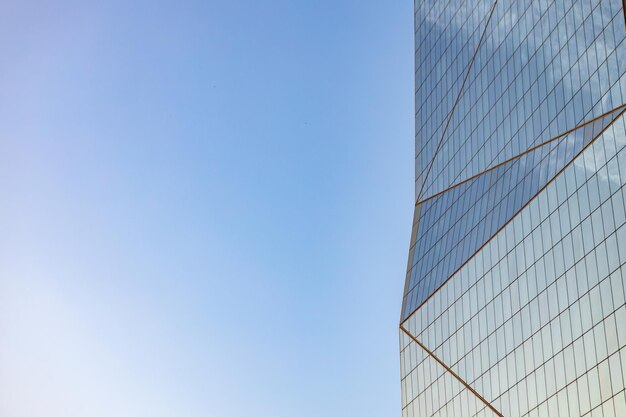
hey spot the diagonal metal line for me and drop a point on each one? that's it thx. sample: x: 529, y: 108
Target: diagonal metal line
x: 414, y: 232
x: 622, y: 107
x: 458, y: 98
x: 451, y: 372
x: 515, y: 214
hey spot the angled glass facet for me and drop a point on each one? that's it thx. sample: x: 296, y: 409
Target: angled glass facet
x: 448, y: 37
x: 458, y: 222
x: 526, y: 84
x: 420, y: 373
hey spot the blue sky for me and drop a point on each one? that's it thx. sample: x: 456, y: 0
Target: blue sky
x: 206, y: 207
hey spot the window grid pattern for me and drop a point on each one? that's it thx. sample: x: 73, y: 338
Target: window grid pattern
x: 447, y: 36
x: 536, y: 321
x: 458, y: 222
x: 447, y: 393
x: 528, y: 308
x: 543, y: 68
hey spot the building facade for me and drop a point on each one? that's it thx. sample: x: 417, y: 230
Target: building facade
x: 515, y: 294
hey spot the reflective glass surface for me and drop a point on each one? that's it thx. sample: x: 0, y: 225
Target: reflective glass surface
x: 446, y: 38
x: 543, y: 68
x: 455, y: 224
x: 515, y: 294
x: 536, y: 320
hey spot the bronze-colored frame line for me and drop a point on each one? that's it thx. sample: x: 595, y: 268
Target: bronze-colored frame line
x: 451, y: 372
x: 515, y: 215
x: 458, y: 98
x: 622, y: 107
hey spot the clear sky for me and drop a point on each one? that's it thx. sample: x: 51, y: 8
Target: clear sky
x: 205, y: 207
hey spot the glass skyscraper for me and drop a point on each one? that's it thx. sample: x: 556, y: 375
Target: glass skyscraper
x: 515, y: 294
